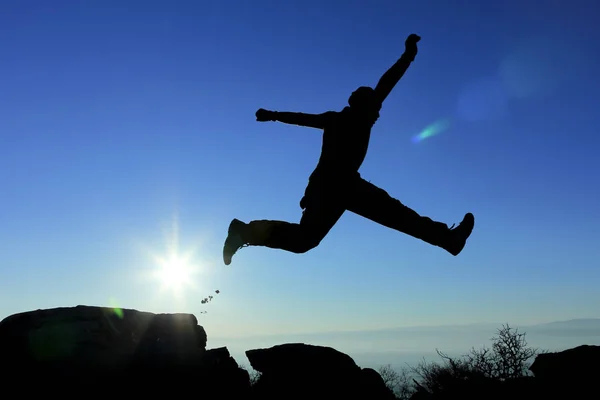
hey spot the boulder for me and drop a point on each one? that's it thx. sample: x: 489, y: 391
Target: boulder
x: 139, y: 352
x: 571, y: 373
x: 313, y: 372
x: 577, y: 363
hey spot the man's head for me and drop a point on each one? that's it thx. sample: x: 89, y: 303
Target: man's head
x: 363, y: 101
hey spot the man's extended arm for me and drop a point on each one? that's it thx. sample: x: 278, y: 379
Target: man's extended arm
x: 391, y: 77
x: 294, y: 118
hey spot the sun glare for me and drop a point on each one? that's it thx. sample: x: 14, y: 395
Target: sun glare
x: 174, y: 273
x: 174, y: 270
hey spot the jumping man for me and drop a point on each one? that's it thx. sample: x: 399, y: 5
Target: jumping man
x: 336, y: 185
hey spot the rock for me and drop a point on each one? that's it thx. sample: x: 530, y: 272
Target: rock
x: 313, y: 372
x: 571, y: 373
x: 125, y: 351
x: 100, y: 336
x: 298, y: 357
x: 576, y: 363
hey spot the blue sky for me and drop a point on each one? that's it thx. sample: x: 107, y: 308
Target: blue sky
x: 126, y: 121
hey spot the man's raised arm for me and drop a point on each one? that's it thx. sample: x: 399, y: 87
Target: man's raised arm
x: 294, y: 118
x: 391, y: 77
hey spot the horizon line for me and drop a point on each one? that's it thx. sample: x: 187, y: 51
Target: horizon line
x: 374, y: 330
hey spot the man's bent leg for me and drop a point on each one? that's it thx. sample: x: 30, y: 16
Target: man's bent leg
x: 317, y: 220
x: 281, y: 235
x: 374, y: 203
x: 296, y: 238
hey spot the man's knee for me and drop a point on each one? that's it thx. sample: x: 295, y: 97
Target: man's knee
x: 306, y: 242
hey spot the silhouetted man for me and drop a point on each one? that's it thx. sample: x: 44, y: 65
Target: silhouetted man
x: 336, y: 185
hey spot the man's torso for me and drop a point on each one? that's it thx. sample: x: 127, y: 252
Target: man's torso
x: 345, y: 143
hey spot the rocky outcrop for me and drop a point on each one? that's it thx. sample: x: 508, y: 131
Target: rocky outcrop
x: 581, y: 362
x: 128, y: 352
x: 103, y: 337
x: 572, y: 373
x: 94, y: 351
x: 112, y: 350
x: 313, y: 372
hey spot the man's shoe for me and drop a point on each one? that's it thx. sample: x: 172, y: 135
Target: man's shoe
x: 234, y: 240
x: 458, y: 236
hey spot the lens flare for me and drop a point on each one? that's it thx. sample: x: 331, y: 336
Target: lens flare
x: 116, y: 309
x: 431, y: 130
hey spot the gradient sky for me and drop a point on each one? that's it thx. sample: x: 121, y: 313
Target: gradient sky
x: 124, y: 122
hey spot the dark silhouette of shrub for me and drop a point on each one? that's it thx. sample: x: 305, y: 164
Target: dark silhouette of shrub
x: 508, y: 358
x: 399, y: 382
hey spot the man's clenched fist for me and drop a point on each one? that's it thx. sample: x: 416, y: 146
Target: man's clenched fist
x: 411, y: 44
x: 263, y: 115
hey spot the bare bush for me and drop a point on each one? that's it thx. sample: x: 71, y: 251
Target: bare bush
x: 508, y: 358
x: 435, y: 377
x: 399, y: 382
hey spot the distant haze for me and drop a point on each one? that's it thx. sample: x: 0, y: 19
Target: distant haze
x: 402, y: 346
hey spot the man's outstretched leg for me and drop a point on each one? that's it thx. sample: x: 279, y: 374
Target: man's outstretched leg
x: 369, y: 201
x: 317, y: 220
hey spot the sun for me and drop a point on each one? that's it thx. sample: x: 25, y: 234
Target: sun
x: 174, y: 273
x: 173, y: 269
